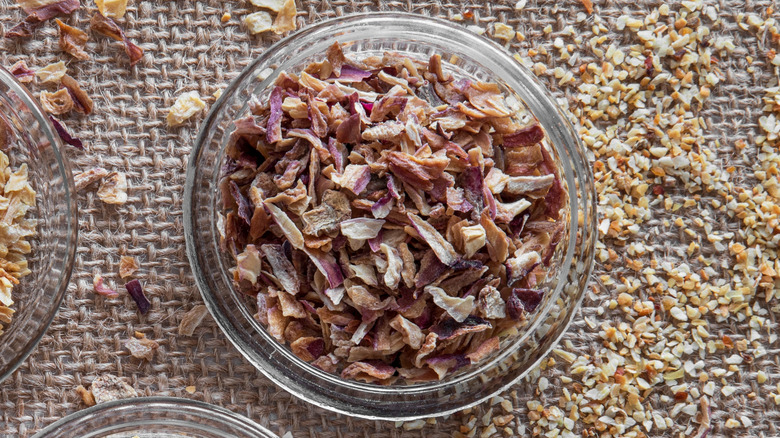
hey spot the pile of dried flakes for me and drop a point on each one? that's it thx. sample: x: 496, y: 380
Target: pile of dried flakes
x: 666, y: 309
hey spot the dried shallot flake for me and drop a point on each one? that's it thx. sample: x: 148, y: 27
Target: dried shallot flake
x: 274, y: 5
x: 127, y: 266
x: 81, y: 101
x: 186, y: 106
x: 112, y: 8
x: 56, y: 103
x: 72, y: 40
x: 22, y: 73
x: 113, y: 189
x: 108, y: 388
x: 86, y: 396
x: 39, y: 11
x: 192, y: 319
x: 142, y: 347
x: 137, y: 293
x: 258, y: 22
x: 102, y: 289
x: 108, y: 27
x: 52, y: 73
x: 63, y: 133
x: 285, y: 19
x: 84, y: 179
x: 392, y: 221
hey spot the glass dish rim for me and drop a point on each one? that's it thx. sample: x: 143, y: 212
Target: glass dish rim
x: 185, y: 405
x: 63, y: 166
x: 252, y: 68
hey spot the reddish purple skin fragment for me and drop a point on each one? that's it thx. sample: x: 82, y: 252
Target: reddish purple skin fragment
x: 472, y: 182
x: 274, y: 127
x: 316, y: 348
x: 244, y: 209
x: 528, y: 136
x: 21, y: 72
x: 353, y: 74
x: 349, y: 130
x: 523, y: 300
x: 65, y: 135
x: 430, y: 269
x: 134, y: 289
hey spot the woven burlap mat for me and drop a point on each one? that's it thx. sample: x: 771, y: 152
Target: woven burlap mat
x: 189, y: 48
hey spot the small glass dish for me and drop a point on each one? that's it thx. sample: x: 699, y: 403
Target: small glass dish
x: 469, y: 56
x: 34, y: 141
x: 155, y: 417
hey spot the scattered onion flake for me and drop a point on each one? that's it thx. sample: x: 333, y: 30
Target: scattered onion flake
x: 72, y: 40
x: 274, y: 5
x: 142, y: 347
x: 127, y: 266
x: 192, y: 319
x: 112, y: 8
x: 56, y: 103
x: 22, y: 73
x: 262, y: 21
x: 113, y: 189
x: 136, y: 291
x: 107, y: 387
x: 84, y: 179
x: 102, y: 289
x: 392, y: 221
x: 108, y: 27
x: 52, y: 73
x: 66, y: 136
x: 39, y: 11
x: 81, y: 100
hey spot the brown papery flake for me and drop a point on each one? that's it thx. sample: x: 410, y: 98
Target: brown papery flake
x: 111, y: 29
x: 72, y: 41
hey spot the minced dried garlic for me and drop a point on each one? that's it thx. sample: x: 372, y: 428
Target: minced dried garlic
x: 186, y: 106
x: 274, y: 5
x: 258, y: 22
x: 503, y: 32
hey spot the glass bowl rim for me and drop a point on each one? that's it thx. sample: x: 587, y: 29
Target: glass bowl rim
x: 184, y: 405
x: 24, y: 95
x: 252, y: 68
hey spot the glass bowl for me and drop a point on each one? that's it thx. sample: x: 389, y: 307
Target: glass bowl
x: 155, y: 417
x: 38, y: 296
x: 475, y: 57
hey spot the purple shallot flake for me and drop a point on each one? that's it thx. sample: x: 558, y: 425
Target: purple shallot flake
x: 352, y: 74
x: 274, y: 125
x: 65, y: 135
x: 245, y: 209
x: 136, y: 291
x: 527, y: 136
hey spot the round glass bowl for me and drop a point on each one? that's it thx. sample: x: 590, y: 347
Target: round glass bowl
x: 34, y: 141
x: 155, y: 417
x: 471, y: 56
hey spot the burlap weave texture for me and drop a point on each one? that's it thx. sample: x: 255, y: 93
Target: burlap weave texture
x: 189, y: 48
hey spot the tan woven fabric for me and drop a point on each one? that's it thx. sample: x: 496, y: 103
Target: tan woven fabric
x: 188, y: 48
